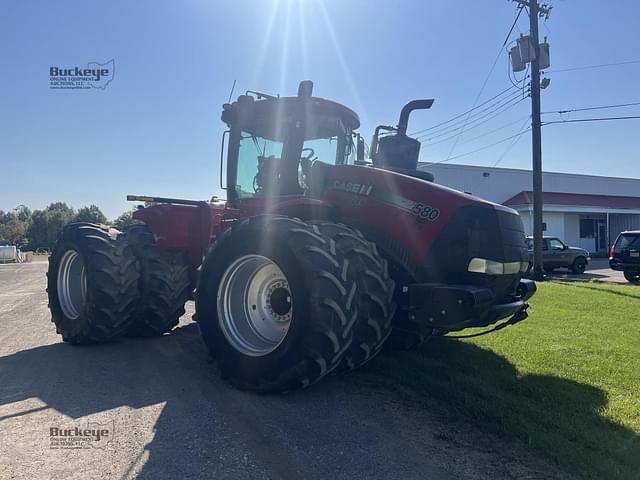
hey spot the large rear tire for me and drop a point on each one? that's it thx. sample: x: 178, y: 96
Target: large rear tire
x: 92, y: 284
x: 275, y: 304
x: 374, y: 297
x: 165, y: 285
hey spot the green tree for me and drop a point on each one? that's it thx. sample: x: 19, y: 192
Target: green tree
x: 23, y: 213
x: 12, y: 228
x: 124, y: 220
x: 46, y: 225
x: 13, y: 232
x: 90, y: 214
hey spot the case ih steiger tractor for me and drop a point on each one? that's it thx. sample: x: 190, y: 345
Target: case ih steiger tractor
x: 316, y: 259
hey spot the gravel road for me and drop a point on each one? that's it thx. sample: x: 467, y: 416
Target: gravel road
x: 165, y: 413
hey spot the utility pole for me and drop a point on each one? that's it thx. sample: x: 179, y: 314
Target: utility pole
x: 535, y: 11
x: 536, y: 142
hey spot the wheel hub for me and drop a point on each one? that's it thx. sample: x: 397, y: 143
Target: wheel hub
x: 72, y: 284
x: 254, y: 305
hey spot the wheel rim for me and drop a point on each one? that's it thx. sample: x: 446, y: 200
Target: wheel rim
x: 254, y: 305
x: 72, y: 284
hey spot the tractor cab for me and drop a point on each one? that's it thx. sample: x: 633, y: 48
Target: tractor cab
x: 273, y: 141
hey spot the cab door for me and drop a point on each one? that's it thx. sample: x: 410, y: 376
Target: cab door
x: 557, y: 253
x: 547, y: 258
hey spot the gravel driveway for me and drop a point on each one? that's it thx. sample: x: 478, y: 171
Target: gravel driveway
x: 162, y: 411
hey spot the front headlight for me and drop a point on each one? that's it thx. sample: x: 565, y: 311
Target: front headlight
x: 491, y: 267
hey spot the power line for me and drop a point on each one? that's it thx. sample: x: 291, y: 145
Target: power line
x: 479, y: 149
x: 515, y: 140
x: 526, y: 75
x: 508, y: 107
x: 587, y: 67
x: 486, y: 80
x: 502, y: 127
x: 506, y: 151
x: 602, y: 119
x: 476, y: 116
x: 509, y: 73
x: 489, y: 109
x: 515, y: 21
x: 463, y: 113
x: 599, y: 107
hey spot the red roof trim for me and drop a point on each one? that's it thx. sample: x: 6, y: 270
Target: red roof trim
x: 576, y: 199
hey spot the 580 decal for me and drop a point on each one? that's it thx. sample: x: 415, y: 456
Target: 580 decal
x: 425, y: 213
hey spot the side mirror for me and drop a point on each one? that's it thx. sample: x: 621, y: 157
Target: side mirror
x: 565, y: 247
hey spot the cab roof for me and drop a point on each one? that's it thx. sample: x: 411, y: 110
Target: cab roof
x: 263, y: 114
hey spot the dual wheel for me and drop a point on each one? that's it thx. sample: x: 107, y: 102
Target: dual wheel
x: 103, y: 284
x: 280, y: 302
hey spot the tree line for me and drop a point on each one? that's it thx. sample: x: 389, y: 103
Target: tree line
x: 39, y: 229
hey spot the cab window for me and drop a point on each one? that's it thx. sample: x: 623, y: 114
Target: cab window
x: 556, y: 244
x: 255, y: 156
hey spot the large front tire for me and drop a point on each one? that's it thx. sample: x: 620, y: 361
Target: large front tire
x: 92, y: 284
x: 275, y: 304
x: 165, y: 285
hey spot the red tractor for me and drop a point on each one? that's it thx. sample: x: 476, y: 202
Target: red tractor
x: 316, y: 259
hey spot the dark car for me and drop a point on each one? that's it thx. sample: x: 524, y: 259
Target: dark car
x: 625, y: 255
x: 555, y: 254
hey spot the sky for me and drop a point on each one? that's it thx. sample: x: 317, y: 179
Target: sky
x: 155, y: 129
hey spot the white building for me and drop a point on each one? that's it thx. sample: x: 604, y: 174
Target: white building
x: 583, y: 210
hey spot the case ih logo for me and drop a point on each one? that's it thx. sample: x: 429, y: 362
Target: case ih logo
x: 93, y: 435
x: 94, y: 75
x: 351, y: 187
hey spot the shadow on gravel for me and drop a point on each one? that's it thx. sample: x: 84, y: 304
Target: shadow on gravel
x: 558, y: 417
x: 336, y: 429
x: 207, y: 429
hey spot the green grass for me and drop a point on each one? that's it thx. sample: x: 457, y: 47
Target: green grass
x: 565, y: 382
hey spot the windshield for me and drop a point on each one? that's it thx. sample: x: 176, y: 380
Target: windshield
x: 261, y: 169
x: 327, y: 140
x: 330, y: 150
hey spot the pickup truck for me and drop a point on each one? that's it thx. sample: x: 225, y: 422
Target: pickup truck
x: 556, y: 254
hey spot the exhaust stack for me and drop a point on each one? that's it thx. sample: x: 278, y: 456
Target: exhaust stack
x: 398, y: 151
x: 407, y: 109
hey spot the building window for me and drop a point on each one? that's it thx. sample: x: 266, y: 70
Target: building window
x: 587, y: 228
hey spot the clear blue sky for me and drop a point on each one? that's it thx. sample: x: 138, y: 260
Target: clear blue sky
x: 156, y: 129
